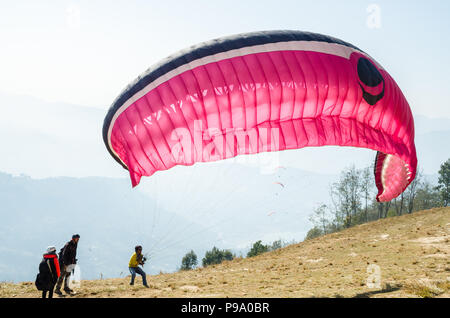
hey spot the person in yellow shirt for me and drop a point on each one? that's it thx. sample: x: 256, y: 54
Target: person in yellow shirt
x: 137, y: 259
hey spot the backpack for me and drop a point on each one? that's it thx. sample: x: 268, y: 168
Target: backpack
x: 61, y: 255
x: 44, y: 275
x: 38, y: 282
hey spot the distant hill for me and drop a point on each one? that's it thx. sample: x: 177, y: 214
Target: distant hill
x: 110, y: 217
x: 405, y: 256
x: 43, y: 139
x: 228, y: 206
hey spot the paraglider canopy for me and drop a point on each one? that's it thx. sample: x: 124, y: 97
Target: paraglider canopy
x: 259, y: 92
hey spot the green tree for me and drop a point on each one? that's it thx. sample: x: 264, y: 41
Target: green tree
x: 189, y: 261
x: 346, y: 195
x: 412, y: 190
x: 399, y: 204
x: 257, y: 248
x: 427, y: 197
x: 444, y: 183
x: 383, y: 209
x: 351, y: 201
x: 366, y: 189
x: 320, y: 217
x: 216, y: 256
x: 276, y: 245
x: 313, y: 233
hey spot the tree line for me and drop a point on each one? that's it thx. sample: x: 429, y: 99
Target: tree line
x: 217, y: 256
x: 353, y: 203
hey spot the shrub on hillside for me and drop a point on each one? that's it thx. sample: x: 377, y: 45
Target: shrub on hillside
x: 216, y: 256
x: 189, y: 261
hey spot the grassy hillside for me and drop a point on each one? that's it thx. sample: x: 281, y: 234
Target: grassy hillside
x: 410, y: 251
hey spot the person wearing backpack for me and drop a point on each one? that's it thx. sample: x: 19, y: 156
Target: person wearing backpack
x: 68, y: 260
x: 49, y: 272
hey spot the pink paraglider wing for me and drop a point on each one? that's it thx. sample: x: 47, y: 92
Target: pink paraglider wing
x: 259, y: 92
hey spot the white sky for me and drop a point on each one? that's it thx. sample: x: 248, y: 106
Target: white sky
x: 86, y: 52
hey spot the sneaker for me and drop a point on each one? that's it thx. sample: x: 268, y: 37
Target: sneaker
x: 131, y: 284
x: 58, y: 292
x: 147, y: 286
x: 68, y: 290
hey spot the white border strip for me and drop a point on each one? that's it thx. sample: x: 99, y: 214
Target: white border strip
x: 314, y: 46
x: 383, y: 172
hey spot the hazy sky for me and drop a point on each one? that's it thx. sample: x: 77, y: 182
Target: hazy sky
x: 85, y: 52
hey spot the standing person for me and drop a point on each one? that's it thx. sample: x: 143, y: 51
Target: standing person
x: 137, y: 259
x: 48, y: 272
x: 68, y: 260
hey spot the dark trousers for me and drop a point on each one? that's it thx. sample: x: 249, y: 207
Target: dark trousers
x: 65, y: 276
x: 50, y: 293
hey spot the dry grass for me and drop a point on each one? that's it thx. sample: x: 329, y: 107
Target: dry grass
x: 411, y: 252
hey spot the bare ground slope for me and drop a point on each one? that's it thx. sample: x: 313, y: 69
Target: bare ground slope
x: 410, y: 253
